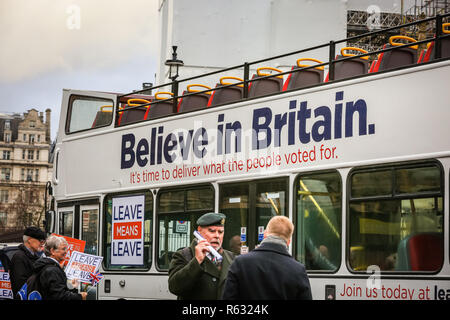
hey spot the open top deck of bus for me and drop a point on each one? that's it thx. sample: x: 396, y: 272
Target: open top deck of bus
x: 347, y: 63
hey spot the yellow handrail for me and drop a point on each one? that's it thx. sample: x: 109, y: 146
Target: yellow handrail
x: 231, y: 78
x: 104, y: 107
x: 300, y: 65
x: 163, y: 92
x: 445, y: 25
x: 132, y: 102
x: 258, y: 71
x: 343, y: 53
x: 198, y: 85
x: 391, y: 41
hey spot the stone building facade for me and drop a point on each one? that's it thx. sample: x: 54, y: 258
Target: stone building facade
x: 24, y: 168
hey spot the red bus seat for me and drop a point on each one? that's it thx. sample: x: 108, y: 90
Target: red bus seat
x: 420, y: 252
x: 429, y: 53
x: 397, y: 57
x: 352, y: 67
x: 228, y: 94
x: 194, y: 102
x: 304, y: 78
x: 265, y: 86
x: 161, y: 107
x: 133, y: 115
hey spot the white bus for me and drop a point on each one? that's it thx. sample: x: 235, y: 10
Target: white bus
x: 357, y: 154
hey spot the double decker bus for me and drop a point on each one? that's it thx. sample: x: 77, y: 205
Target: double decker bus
x: 354, y: 150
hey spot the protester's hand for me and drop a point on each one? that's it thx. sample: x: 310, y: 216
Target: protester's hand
x: 74, y: 283
x: 201, y: 250
x: 83, y: 295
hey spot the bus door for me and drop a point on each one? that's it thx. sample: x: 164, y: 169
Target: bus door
x: 81, y: 221
x: 249, y: 206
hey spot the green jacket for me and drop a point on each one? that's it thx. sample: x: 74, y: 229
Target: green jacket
x: 190, y: 280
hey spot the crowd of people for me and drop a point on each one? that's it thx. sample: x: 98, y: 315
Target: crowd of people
x: 202, y: 271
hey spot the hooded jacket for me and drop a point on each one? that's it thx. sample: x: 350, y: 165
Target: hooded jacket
x: 53, y: 281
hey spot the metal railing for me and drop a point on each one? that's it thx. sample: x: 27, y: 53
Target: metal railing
x: 438, y: 21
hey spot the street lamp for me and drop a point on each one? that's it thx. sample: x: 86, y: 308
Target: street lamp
x: 174, y: 64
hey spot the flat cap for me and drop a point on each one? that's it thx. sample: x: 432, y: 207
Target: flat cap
x: 35, y: 232
x: 211, y: 219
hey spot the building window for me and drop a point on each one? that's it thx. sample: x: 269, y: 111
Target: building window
x: 7, y: 125
x: 22, y: 175
x: 32, y: 138
x: 36, y: 178
x: 24, y: 137
x: 29, y: 175
x: 3, y: 219
x: 6, y: 155
x: 23, y: 154
x: 5, y: 174
x: 7, y: 137
x: 4, y: 196
x: 30, y: 154
x: 37, y: 154
x: 32, y: 124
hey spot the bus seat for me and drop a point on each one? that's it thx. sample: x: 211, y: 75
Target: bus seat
x: 103, y: 117
x: 265, y: 86
x: 194, y: 102
x: 420, y: 252
x: 429, y: 53
x: 133, y: 115
x: 372, y: 66
x: 398, y: 57
x: 304, y: 78
x: 352, y: 67
x: 163, y: 106
x: 228, y: 94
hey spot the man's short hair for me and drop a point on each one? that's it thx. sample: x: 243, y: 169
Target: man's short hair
x: 280, y: 226
x: 53, y: 242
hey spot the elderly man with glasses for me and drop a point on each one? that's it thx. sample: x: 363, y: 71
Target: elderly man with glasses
x: 22, y: 261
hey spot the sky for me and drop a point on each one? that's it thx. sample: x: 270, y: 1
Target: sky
x: 48, y: 45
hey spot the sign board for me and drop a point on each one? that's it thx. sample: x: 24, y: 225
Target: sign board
x: 73, y: 245
x: 81, y: 265
x: 5, y: 284
x: 181, y: 226
x: 127, y: 239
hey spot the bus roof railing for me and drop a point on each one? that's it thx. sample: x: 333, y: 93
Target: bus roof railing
x: 438, y: 36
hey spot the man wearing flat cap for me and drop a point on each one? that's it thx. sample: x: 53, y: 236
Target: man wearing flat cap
x: 195, y: 273
x: 23, y: 259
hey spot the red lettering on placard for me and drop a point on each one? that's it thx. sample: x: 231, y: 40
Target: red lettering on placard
x: 128, y: 230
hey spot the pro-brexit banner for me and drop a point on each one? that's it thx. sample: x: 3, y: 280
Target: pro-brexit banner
x: 127, y: 244
x: 5, y: 284
x: 81, y: 265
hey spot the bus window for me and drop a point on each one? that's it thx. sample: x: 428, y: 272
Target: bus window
x: 128, y: 198
x: 88, y: 112
x: 318, y: 231
x: 271, y: 200
x: 89, y: 223
x: 234, y: 203
x: 249, y: 206
x: 399, y: 230
x: 178, y: 211
x: 66, y: 223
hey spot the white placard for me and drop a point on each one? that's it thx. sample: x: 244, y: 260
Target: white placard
x: 81, y: 265
x: 127, y: 239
